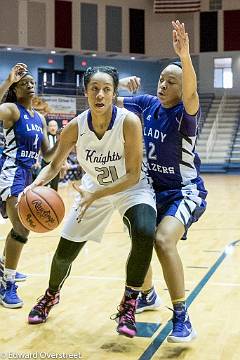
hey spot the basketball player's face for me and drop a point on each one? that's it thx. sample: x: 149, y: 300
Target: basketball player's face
x: 25, y: 87
x: 170, y: 86
x: 100, y: 92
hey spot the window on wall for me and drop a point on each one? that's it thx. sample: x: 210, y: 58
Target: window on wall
x: 215, y: 5
x: 89, y: 26
x: 223, y: 77
x: 137, y: 31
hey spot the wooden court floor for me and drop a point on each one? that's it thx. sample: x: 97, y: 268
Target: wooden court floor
x: 81, y: 325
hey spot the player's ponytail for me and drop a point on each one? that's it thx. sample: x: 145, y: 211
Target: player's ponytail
x: 11, y: 95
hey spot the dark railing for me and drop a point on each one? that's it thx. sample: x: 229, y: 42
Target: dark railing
x: 234, y: 141
x: 60, y: 88
x: 205, y: 103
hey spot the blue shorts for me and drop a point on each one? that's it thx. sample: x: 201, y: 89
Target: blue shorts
x: 13, y: 179
x: 186, y: 204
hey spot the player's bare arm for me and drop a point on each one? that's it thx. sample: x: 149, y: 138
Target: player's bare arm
x: 15, y: 75
x: 131, y: 84
x: 189, y: 79
x: 67, y: 140
x: 9, y: 114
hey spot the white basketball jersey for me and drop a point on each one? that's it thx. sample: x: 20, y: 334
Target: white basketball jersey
x: 103, y: 160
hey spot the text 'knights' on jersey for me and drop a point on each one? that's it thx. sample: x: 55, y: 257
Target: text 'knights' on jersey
x: 103, y: 159
x: 170, y: 136
x: 23, y: 140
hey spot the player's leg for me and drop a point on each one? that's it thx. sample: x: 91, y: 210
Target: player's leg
x: 13, y: 180
x: 148, y: 298
x: 169, y: 231
x: 15, y: 241
x: 141, y: 222
x: 19, y: 277
x: 66, y: 253
x: 186, y: 209
x: 74, y: 236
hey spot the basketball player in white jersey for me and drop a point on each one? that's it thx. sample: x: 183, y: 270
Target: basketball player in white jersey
x: 109, y: 149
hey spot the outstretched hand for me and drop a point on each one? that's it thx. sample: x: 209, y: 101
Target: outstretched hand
x: 87, y: 199
x: 17, y: 72
x: 130, y: 83
x: 180, y: 39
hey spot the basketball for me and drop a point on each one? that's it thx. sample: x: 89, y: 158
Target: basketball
x: 41, y: 209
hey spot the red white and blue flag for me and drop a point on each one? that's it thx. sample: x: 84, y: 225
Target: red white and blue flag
x: 176, y: 6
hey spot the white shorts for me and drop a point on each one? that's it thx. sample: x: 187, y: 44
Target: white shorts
x: 98, y: 215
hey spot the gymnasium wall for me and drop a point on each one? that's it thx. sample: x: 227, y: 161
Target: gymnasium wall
x: 103, y: 27
x: 148, y: 71
x: 34, y: 61
x: 206, y: 73
x: 107, y: 26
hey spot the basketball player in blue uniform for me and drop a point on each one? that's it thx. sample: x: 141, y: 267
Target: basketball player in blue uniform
x: 170, y: 125
x: 108, y: 142
x: 25, y: 134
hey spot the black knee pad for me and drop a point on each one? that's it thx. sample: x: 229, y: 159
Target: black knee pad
x: 18, y: 237
x: 141, y: 222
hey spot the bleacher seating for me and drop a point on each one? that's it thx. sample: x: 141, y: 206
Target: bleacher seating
x: 219, y: 157
x: 205, y: 102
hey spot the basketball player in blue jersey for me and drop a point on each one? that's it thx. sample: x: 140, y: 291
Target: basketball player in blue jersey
x: 25, y: 134
x: 108, y: 142
x: 170, y: 123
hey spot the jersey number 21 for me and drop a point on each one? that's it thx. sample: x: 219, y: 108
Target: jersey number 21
x: 106, y: 175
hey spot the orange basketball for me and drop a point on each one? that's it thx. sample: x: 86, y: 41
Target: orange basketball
x: 41, y: 209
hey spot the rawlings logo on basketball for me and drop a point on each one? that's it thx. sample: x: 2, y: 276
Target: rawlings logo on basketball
x: 41, y: 209
x: 45, y: 214
x: 30, y: 221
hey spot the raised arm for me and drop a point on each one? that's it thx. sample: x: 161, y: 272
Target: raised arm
x: 15, y: 75
x: 8, y: 111
x: 189, y: 79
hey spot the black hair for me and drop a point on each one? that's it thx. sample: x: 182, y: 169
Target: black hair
x: 177, y: 63
x: 110, y: 70
x: 11, y: 95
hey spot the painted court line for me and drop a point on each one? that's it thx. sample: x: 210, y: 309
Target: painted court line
x: 157, y: 342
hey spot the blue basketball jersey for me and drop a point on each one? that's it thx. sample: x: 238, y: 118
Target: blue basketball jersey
x: 170, y: 136
x: 23, y: 140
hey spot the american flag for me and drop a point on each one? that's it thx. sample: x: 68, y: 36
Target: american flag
x: 176, y: 6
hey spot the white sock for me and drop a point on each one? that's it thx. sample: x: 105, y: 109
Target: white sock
x: 9, y: 275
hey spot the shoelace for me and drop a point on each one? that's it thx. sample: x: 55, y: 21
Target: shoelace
x: 146, y: 297
x: 126, y: 310
x: 12, y: 287
x: 178, y: 320
x: 42, y: 302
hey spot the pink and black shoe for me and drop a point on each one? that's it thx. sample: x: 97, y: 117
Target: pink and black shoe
x: 126, y: 318
x: 40, y: 311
